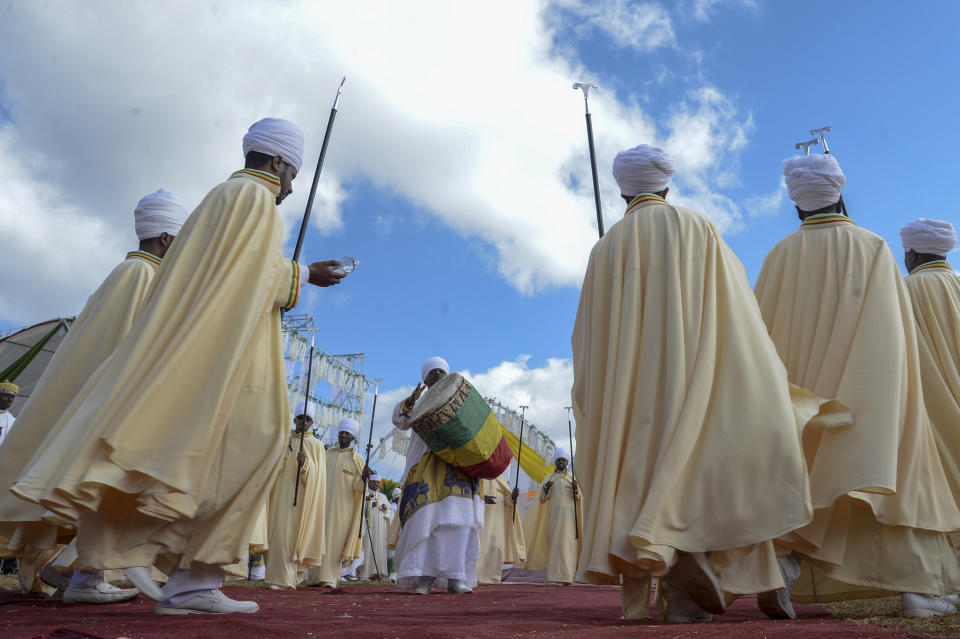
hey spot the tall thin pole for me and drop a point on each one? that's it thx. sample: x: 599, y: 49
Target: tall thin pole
x: 573, y: 473
x: 516, y: 484
x: 366, y: 465
x: 586, y: 86
x: 826, y: 149
x: 306, y: 411
x: 316, y: 173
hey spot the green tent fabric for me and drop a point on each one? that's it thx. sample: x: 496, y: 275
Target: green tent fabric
x: 11, y: 372
x: 24, y: 354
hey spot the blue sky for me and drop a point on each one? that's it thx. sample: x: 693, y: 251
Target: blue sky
x: 457, y: 173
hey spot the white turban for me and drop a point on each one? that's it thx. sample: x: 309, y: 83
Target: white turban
x: 275, y: 136
x: 432, y: 363
x: 374, y: 478
x: 561, y: 452
x: 643, y: 169
x: 396, y: 493
x: 159, y: 212
x: 928, y: 236
x: 348, y: 425
x: 813, y: 181
x: 301, y: 407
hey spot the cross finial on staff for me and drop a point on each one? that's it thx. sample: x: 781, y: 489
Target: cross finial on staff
x: 806, y: 145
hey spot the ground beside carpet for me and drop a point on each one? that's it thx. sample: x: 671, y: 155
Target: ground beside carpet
x: 382, y: 611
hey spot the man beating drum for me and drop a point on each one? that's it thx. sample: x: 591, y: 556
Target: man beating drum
x: 441, y: 512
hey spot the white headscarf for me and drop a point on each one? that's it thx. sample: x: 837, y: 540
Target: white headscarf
x: 374, y: 478
x: 159, y: 212
x: 275, y: 136
x: 396, y: 493
x: 928, y: 236
x: 643, y: 169
x: 311, y: 410
x: 348, y: 425
x: 432, y: 363
x: 813, y: 181
x: 561, y: 452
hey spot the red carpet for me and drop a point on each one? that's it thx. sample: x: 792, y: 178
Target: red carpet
x: 371, y: 612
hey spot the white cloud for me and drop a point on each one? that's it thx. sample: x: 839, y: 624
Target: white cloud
x: 642, y: 26
x: 703, y: 8
x: 466, y: 113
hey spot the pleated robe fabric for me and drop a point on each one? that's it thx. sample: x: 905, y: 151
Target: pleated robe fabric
x: 550, y: 526
x: 501, y: 539
x: 104, y: 322
x: 837, y: 308
x: 687, y: 438
x: 379, y: 520
x: 295, y: 533
x: 342, y: 511
x: 935, y: 297
x: 173, y: 445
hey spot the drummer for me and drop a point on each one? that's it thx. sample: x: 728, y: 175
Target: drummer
x: 441, y: 512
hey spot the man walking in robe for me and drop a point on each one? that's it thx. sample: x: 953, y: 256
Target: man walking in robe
x: 393, y: 533
x: 553, y: 524
x: 343, y: 506
x: 935, y: 296
x: 835, y: 304
x: 99, y: 328
x: 140, y: 475
x: 377, y: 515
x: 441, y: 512
x: 667, y: 343
x: 295, y: 532
x: 501, y: 540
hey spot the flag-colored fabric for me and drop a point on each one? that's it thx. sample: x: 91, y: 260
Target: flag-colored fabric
x: 833, y: 300
x: 668, y: 341
x: 535, y: 466
x: 141, y: 475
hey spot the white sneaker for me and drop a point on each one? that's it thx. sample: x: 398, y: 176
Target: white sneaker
x: 458, y: 587
x: 776, y: 604
x: 423, y: 588
x: 951, y: 598
x: 140, y: 577
x: 914, y: 604
x: 102, y: 593
x: 694, y: 573
x: 211, y: 602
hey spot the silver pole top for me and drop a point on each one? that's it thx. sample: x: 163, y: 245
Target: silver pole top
x: 823, y: 140
x: 336, y: 101
x: 806, y: 145
x: 585, y: 87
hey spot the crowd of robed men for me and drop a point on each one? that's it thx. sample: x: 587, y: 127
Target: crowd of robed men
x: 793, y: 441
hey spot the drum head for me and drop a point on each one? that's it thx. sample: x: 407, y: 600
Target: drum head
x: 439, y: 396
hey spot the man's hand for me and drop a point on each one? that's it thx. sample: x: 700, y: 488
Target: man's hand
x: 323, y: 274
x: 301, y: 457
x: 383, y: 507
x: 547, y: 486
x: 414, y: 396
x: 515, y: 495
x: 489, y: 499
x: 576, y: 488
x: 367, y: 472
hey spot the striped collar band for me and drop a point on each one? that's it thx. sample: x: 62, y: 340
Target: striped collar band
x: 934, y: 264
x: 143, y: 255
x: 645, y: 197
x: 826, y: 218
x: 269, y: 180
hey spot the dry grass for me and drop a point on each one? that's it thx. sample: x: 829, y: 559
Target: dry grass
x: 886, y: 612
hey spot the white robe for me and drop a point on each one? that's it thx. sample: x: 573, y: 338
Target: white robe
x: 441, y: 539
x: 6, y: 423
x: 375, y: 556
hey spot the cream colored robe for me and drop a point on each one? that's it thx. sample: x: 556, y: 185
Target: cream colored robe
x: 379, y: 521
x: 549, y: 525
x: 686, y: 435
x: 295, y: 533
x: 342, y: 510
x: 501, y: 539
x: 836, y: 307
x: 935, y: 296
x: 174, y: 443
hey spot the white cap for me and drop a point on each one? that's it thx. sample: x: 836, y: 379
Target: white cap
x: 643, y: 169
x: 432, y: 363
x: 813, y: 181
x: 159, y: 212
x: 348, y: 425
x: 937, y: 237
x: 276, y: 136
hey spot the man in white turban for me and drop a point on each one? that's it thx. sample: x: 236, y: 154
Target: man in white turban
x: 667, y: 344
x: 441, y: 512
x: 295, y: 531
x: 835, y: 304
x: 346, y: 476
x: 103, y: 323
x: 393, y: 534
x: 551, y: 526
x: 935, y: 297
x: 141, y: 476
x: 377, y: 515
